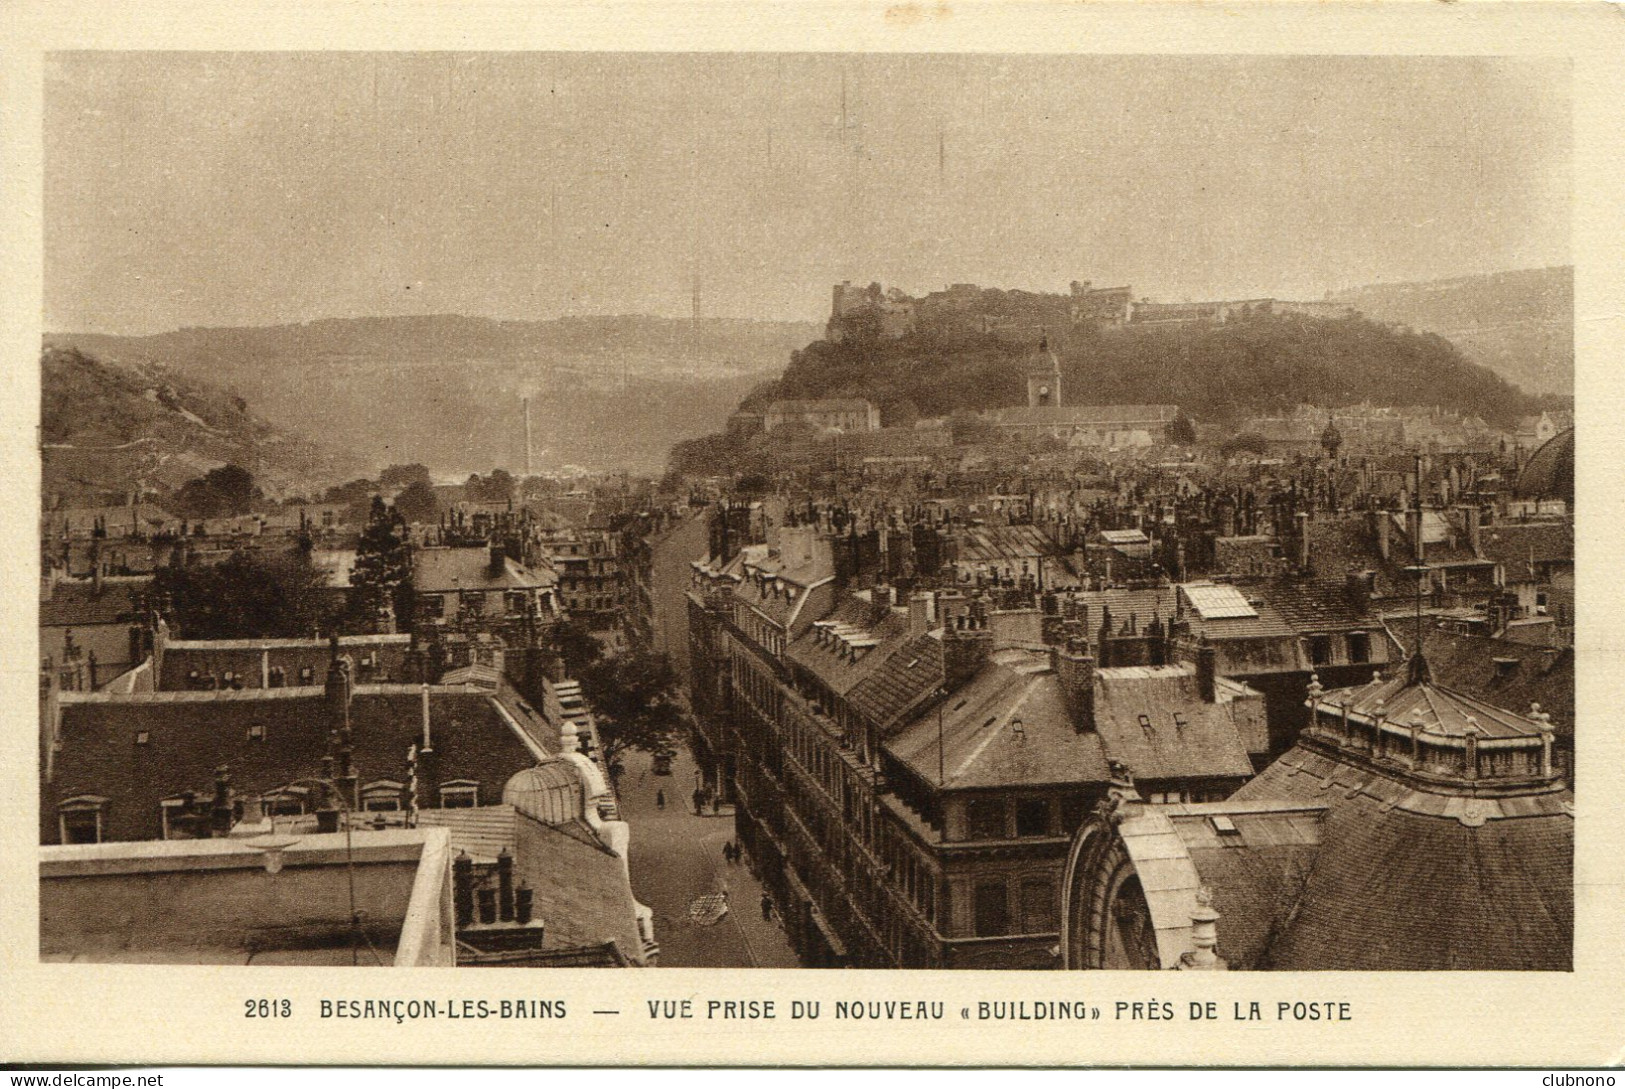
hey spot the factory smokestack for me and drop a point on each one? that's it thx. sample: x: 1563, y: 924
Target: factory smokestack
x: 527, y: 436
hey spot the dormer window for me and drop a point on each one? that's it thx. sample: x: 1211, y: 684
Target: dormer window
x: 382, y: 796
x: 460, y: 794
x: 289, y: 801
x: 80, y: 819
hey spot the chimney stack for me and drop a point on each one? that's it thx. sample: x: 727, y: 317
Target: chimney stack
x: 921, y: 612
x: 1303, y: 540
x: 1074, y: 669
x: 498, y: 561
x: 1207, y: 661
x: 1475, y: 536
x: 967, y: 642
x: 1380, y: 522
x: 220, y: 808
x: 340, y: 689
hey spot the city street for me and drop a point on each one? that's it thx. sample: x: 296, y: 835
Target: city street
x: 676, y: 857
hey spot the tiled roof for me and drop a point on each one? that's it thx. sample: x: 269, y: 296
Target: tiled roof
x: 823, y: 649
x: 147, y: 518
x: 904, y: 677
x: 1141, y: 604
x: 1549, y: 473
x: 1318, y: 605
x: 1153, y: 719
x: 1437, y: 710
x: 1409, y: 879
x: 780, y: 595
x: 1341, y: 543
x: 1267, y: 624
x: 1504, y: 673
x: 1256, y: 874
x: 1514, y: 544
x: 79, y: 604
x: 982, y: 747
x: 1001, y: 544
x: 189, y: 734
x: 444, y: 570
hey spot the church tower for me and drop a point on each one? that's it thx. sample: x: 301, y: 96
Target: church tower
x: 1044, y: 377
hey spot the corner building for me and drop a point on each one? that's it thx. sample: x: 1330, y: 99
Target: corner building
x: 906, y: 787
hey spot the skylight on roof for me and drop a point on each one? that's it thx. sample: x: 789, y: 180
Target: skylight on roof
x: 1219, y: 602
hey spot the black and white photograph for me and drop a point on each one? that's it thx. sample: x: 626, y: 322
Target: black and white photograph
x: 555, y: 509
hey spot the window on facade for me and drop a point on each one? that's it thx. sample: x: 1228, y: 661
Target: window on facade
x: 1073, y: 811
x: 256, y: 731
x: 1320, y: 649
x: 1038, y: 908
x: 79, y: 819
x: 984, y: 818
x: 1032, y: 817
x: 306, y: 674
x: 992, y: 914
x: 460, y: 794
x: 1359, y: 647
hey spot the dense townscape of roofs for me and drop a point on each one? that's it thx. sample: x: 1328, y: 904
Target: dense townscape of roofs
x: 1081, y: 686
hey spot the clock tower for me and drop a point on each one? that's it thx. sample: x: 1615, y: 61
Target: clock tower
x: 1044, y: 378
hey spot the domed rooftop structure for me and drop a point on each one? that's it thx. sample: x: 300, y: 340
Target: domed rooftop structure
x: 1549, y: 473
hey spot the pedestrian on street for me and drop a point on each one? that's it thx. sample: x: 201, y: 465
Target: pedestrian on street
x: 660, y: 799
x: 767, y: 908
x: 699, y: 802
x: 716, y: 804
x: 728, y: 853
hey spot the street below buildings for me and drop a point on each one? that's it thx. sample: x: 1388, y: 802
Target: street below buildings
x: 676, y: 857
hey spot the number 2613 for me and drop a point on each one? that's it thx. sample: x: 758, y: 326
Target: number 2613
x: 267, y: 1007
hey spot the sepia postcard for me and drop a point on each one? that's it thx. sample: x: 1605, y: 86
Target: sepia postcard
x: 812, y: 534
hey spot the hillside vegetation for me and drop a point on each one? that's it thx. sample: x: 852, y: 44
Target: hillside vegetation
x: 1217, y: 373
x: 1519, y: 324
x: 606, y: 392
x: 108, y: 427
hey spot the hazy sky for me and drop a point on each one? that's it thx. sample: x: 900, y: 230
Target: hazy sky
x: 253, y: 189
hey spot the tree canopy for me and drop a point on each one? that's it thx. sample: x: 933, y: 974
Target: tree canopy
x: 383, y: 568
x: 247, y: 597
x: 634, y: 697
x: 220, y: 493
x: 418, y: 502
